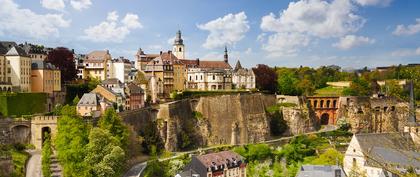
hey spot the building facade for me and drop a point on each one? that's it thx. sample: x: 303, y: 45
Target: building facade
x: 134, y: 97
x: 15, y: 67
x: 119, y: 68
x: 45, y: 77
x: 381, y: 155
x: 96, y: 65
x: 224, y: 163
x: 243, y: 78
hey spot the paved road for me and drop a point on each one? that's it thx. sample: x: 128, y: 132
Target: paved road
x: 136, y: 170
x: 33, y: 168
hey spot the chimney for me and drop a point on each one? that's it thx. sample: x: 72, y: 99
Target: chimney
x: 107, y: 51
x: 198, y: 61
x: 160, y: 52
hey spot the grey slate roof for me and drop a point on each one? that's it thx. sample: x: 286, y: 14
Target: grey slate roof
x: 111, y: 81
x: 89, y: 99
x: 188, y: 173
x: 394, y: 156
x: 16, y: 51
x: 385, y: 140
x: 42, y: 65
x: 320, y: 171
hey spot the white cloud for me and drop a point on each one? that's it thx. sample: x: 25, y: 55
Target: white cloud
x: 307, y: 19
x: 407, y: 30
x: 110, y: 31
x: 382, y: 3
x: 350, y: 41
x: 23, y: 22
x: 406, y: 52
x: 80, y: 4
x: 285, y: 44
x: 131, y: 21
x: 53, y: 4
x: 227, y: 30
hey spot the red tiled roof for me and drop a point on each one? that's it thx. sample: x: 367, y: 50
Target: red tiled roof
x: 97, y: 55
x: 218, y: 158
x: 207, y: 64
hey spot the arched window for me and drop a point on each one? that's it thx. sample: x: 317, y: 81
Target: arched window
x: 315, y: 103
x: 322, y: 104
x: 214, y: 77
x: 328, y: 103
x: 334, y: 103
x: 180, y: 49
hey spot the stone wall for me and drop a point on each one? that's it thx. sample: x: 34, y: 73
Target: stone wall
x: 377, y: 115
x: 299, y: 120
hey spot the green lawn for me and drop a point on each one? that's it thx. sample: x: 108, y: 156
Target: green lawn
x: 329, y: 91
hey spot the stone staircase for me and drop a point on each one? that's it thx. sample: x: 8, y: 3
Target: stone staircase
x: 55, y: 167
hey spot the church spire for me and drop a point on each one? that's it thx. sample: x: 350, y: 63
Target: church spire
x: 178, y: 38
x: 226, y: 56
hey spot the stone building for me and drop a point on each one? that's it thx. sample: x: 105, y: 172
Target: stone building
x: 142, y: 59
x: 243, y: 78
x: 208, y: 74
x: 325, y: 108
x: 224, y: 163
x: 381, y: 155
x: 119, y: 68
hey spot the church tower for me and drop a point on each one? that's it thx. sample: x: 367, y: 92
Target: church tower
x: 179, y: 48
x: 226, y: 56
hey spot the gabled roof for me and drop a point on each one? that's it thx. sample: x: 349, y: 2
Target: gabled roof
x: 97, y: 55
x: 16, y: 51
x: 219, y: 158
x: 89, y: 99
x: 238, y: 65
x: 8, y: 44
x: 385, y: 140
x: 133, y: 88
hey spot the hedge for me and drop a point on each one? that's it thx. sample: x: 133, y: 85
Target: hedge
x: 19, y: 104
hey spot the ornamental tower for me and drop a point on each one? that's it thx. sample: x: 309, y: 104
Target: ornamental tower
x: 178, y: 47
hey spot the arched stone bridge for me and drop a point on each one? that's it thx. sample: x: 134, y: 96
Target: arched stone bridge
x: 325, y: 108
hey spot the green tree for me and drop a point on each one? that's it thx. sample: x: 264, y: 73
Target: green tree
x: 46, y: 155
x: 112, y: 122
x: 329, y: 157
x: 76, y: 100
x: 104, y: 154
x: 358, y: 87
x: 70, y: 143
x: 305, y: 87
x: 287, y: 82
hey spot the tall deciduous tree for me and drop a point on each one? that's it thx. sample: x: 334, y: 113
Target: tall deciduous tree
x: 112, y: 122
x: 62, y: 58
x: 265, y: 78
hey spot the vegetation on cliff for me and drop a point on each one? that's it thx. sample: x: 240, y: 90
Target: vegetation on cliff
x: 29, y: 103
x: 18, y: 158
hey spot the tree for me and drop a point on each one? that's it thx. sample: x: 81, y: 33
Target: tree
x: 76, y: 100
x: 104, y: 154
x: 265, y: 78
x: 306, y: 87
x: 70, y: 143
x: 46, y: 156
x: 358, y: 87
x: 112, y: 122
x: 62, y: 58
x: 329, y: 157
x: 287, y: 81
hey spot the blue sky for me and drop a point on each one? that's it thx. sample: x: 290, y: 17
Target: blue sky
x: 348, y: 33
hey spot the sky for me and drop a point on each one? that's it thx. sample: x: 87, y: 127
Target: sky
x: 348, y: 33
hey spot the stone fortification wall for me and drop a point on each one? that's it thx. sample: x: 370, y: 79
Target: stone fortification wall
x: 377, y: 115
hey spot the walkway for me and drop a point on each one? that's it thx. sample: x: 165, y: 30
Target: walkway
x: 33, y: 168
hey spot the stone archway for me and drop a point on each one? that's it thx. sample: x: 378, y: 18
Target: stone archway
x: 44, y: 132
x: 21, y: 134
x: 325, y: 118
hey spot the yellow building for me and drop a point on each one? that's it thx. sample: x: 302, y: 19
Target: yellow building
x: 18, y: 69
x: 167, y: 68
x: 96, y: 65
x: 45, y: 77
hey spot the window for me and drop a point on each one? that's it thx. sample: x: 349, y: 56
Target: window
x: 354, y: 162
x: 214, y: 77
x: 180, y: 49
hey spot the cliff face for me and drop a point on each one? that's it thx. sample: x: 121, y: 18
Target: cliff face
x: 374, y: 115
x: 225, y: 119
x: 299, y: 120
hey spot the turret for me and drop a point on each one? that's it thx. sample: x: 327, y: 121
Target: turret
x: 178, y: 47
